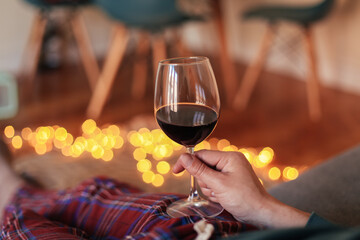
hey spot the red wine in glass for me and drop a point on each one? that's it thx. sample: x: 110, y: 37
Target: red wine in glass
x: 187, y: 124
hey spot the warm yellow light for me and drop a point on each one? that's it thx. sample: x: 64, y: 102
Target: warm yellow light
x: 269, y: 150
x: 143, y: 130
x: 139, y: 154
x: 89, y: 126
x: 158, y: 180
x: 248, y: 155
x: 266, y: 155
x: 222, y: 144
x: 178, y: 147
x: 179, y: 174
x: 82, y: 141
x: 159, y: 152
x: 49, y: 146
x: 143, y: 165
x: 149, y: 148
x: 97, y: 152
x: 66, y: 151
x: 97, y: 131
x: 163, y: 167
x: 261, y: 181
x: 147, y: 138
x: 136, y: 139
x: 206, y: 145
x: 104, y: 141
x: 32, y: 139
x: 69, y: 139
x: 25, y: 133
x: 119, y: 142
x: 9, y: 131
x: 274, y: 173
x: 230, y: 148
x: 61, y: 134
x: 114, y: 130
x: 52, y: 132
x: 43, y: 134
x: 90, y: 145
x: 17, y: 142
x: 40, y: 148
x: 213, y: 143
x: 290, y: 173
x: 148, y: 176
x: 110, y: 143
x: 158, y: 135
x: 77, y: 149
x: 169, y: 150
x: 108, y: 155
x: 129, y: 134
x: 258, y: 163
x: 59, y: 144
x: 199, y: 147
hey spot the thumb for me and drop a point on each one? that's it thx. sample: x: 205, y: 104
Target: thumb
x: 199, y: 169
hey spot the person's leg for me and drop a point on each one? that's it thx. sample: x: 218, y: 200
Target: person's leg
x: 9, y: 181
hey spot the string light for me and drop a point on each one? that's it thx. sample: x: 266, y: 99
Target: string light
x: 17, y: 142
x: 9, y: 131
x: 274, y: 173
x: 151, y: 147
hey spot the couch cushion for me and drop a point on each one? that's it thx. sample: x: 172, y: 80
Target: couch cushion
x: 331, y: 189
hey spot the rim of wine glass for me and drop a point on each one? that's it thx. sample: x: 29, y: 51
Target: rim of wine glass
x: 197, y: 60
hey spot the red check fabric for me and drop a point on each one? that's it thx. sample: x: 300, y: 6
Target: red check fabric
x: 102, y: 208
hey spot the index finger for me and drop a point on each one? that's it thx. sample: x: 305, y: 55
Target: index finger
x: 210, y: 157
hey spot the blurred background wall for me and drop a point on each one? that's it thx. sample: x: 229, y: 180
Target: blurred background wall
x: 337, y: 39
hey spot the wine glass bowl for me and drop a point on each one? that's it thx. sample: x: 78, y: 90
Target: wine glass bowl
x: 187, y: 107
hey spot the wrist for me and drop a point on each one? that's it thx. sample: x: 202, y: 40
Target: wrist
x: 271, y: 213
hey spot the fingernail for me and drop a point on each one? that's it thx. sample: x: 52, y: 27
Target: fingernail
x: 187, y: 160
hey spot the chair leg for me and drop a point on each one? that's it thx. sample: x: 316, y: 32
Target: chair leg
x: 112, y: 62
x: 159, y: 52
x: 140, y: 66
x: 312, y: 81
x: 32, y: 51
x: 252, y: 72
x: 86, y: 53
x: 227, y: 66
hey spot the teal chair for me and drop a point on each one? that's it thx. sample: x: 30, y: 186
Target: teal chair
x: 150, y: 18
x: 33, y: 48
x: 305, y: 16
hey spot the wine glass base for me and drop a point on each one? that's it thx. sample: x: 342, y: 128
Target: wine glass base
x: 198, y: 207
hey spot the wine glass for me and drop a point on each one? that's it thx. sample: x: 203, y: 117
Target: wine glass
x: 187, y: 106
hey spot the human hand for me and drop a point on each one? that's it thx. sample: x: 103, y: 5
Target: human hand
x: 228, y: 178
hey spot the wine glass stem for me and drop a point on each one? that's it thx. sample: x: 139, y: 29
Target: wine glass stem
x: 194, y: 194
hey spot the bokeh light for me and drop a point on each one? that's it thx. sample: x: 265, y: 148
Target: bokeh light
x: 9, y: 131
x: 274, y: 173
x: 89, y: 126
x: 163, y: 167
x: 143, y: 165
x: 25, y: 133
x: 290, y: 173
x: 17, y: 142
x: 150, y: 148
x: 148, y: 176
x: 139, y: 154
x: 158, y: 180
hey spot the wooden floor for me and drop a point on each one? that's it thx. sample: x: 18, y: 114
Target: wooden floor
x: 277, y: 115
